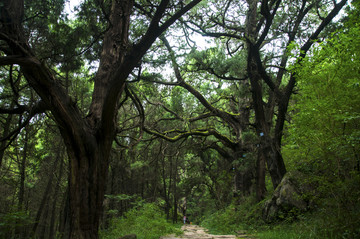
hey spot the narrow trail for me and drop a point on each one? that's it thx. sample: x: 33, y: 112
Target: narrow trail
x: 197, y: 232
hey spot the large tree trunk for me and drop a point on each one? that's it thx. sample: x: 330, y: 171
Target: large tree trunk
x: 270, y: 136
x: 268, y: 150
x: 87, y: 187
x: 260, y: 176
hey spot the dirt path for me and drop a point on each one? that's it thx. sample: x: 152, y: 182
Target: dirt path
x: 197, y: 232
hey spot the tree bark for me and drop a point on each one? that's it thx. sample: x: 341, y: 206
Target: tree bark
x: 260, y: 176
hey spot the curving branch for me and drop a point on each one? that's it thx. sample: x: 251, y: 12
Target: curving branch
x: 265, y: 11
x: 334, y: 12
x: 200, y: 30
x: 18, y: 110
x: 198, y: 132
x: 39, y: 107
x: 202, y: 116
x: 229, y: 117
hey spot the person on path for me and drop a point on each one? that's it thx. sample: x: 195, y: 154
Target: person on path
x: 184, y: 219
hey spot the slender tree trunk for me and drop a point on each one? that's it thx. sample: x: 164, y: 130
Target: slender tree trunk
x: 64, y: 216
x: 22, y: 168
x: 56, y: 192
x: 44, y: 199
x: 44, y: 225
x: 165, y: 189
x: 7, y: 124
x: 5, y: 132
x: 175, y: 214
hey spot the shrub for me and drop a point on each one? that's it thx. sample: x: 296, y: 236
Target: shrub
x: 147, y: 222
x: 12, y: 222
x: 245, y: 215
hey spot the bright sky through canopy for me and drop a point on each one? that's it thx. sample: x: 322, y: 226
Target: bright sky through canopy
x: 69, y: 7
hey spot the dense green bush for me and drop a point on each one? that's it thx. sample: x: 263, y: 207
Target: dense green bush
x: 221, y: 222
x: 12, y: 222
x: 244, y: 214
x: 146, y: 221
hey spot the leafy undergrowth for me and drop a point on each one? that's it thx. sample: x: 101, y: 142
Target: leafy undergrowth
x: 245, y: 216
x: 310, y: 226
x: 147, y: 222
x: 335, y: 215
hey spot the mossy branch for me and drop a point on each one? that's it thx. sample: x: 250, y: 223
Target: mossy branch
x: 196, y: 132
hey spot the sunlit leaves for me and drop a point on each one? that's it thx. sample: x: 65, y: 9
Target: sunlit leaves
x: 326, y: 125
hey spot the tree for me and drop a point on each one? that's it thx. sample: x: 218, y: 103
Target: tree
x: 88, y: 138
x: 255, y: 33
x: 205, y: 110
x: 264, y: 30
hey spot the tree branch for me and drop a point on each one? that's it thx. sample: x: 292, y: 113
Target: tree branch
x: 220, y: 113
x: 17, y: 59
x: 38, y: 108
x: 186, y: 134
x: 321, y: 27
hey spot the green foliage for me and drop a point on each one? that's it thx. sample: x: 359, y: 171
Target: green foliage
x: 245, y: 214
x: 321, y: 224
x: 222, y: 221
x: 12, y: 221
x: 323, y: 141
x: 325, y: 131
x: 147, y: 222
x: 335, y: 214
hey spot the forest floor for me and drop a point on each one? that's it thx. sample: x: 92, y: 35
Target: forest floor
x: 197, y: 232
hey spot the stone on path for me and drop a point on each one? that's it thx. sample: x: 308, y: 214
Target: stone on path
x: 197, y: 232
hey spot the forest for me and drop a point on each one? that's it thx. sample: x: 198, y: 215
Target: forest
x: 121, y: 117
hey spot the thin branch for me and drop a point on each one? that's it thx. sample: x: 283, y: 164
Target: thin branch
x: 178, y: 14
x: 198, y: 132
x: 38, y: 108
x: 203, y: 32
x: 321, y: 27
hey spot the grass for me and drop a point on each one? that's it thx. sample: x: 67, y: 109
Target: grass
x: 317, y: 225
